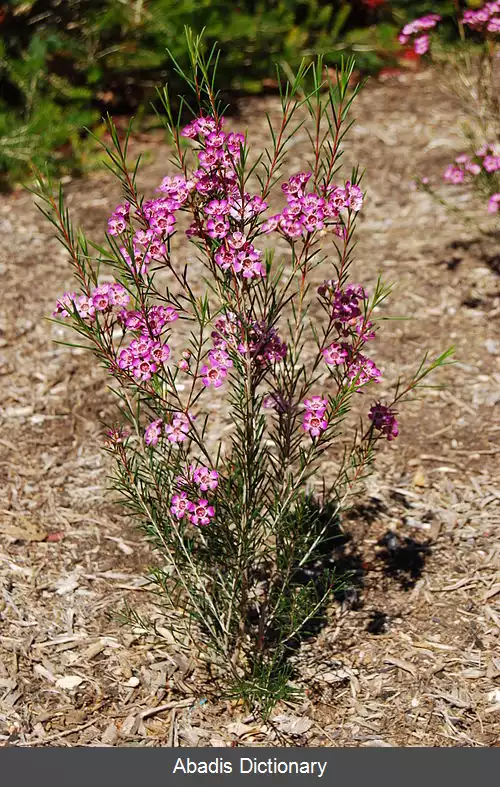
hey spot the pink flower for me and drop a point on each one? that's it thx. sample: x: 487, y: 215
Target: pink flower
x: 314, y: 423
x: 257, y: 205
x: 206, y: 478
x: 338, y: 199
x: 362, y: 370
x: 101, y: 298
x: 180, y: 505
x: 207, y: 125
x: 176, y: 432
x: 346, y: 304
x: 217, y: 228
x: 153, y: 432
x: 491, y: 163
x: 216, y: 139
x: 65, y: 305
x: 316, y: 404
x: 335, y: 354
x: 220, y: 357
x: 234, y: 142
x: 141, y: 347
x: 294, y: 187
x: 132, y: 320
x: 176, y: 188
x: 163, y: 224
x: 160, y: 353
x: 312, y: 222
x: 190, y: 131
x: 126, y: 358
x: 217, y: 207
x: 354, y: 196
x: 485, y: 17
x: 143, y: 369
x: 214, y: 375
x: 117, y: 223
x: 85, y: 307
x: 290, y: 228
x: 453, y: 174
x: 181, y: 423
x: 237, y: 240
x: 421, y: 45
x: 473, y: 168
x: 118, y: 294
x: 201, y: 513
x: 248, y: 263
x: 271, y: 224
x: 225, y: 257
x: 494, y: 203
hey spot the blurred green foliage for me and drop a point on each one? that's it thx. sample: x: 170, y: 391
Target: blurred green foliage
x: 63, y: 63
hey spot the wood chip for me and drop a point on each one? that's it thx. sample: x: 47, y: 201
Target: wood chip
x: 292, y: 725
x: 404, y: 665
x: 69, y: 682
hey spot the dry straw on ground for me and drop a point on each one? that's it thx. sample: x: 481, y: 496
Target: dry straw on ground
x: 410, y: 655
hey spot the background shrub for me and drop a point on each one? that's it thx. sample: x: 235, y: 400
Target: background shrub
x: 63, y: 64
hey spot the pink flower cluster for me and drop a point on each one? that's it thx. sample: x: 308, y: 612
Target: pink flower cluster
x: 216, y: 373
x: 233, y: 333
x: 202, y: 476
x: 486, y: 161
x: 157, y: 220
x: 315, y: 420
x: 117, y: 222
x: 362, y: 370
x: 358, y: 368
x: 486, y: 18
x: 143, y: 357
x: 417, y: 32
x: 239, y: 255
x: 152, y: 322
x: 347, y: 308
x: 222, y: 220
x: 248, y: 337
x: 384, y: 420
x: 176, y: 432
x: 101, y: 299
x: 201, y: 512
x: 308, y: 212
x: 490, y: 156
x: 218, y: 157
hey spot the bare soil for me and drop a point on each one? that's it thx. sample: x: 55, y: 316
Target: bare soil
x: 410, y: 654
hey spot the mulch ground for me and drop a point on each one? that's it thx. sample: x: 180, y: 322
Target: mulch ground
x: 410, y: 655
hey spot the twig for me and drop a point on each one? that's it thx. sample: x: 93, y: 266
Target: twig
x: 59, y: 735
x: 166, y: 706
x: 171, y: 734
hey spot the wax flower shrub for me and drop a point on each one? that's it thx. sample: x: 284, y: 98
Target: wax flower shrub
x: 240, y: 337
x: 471, y: 69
